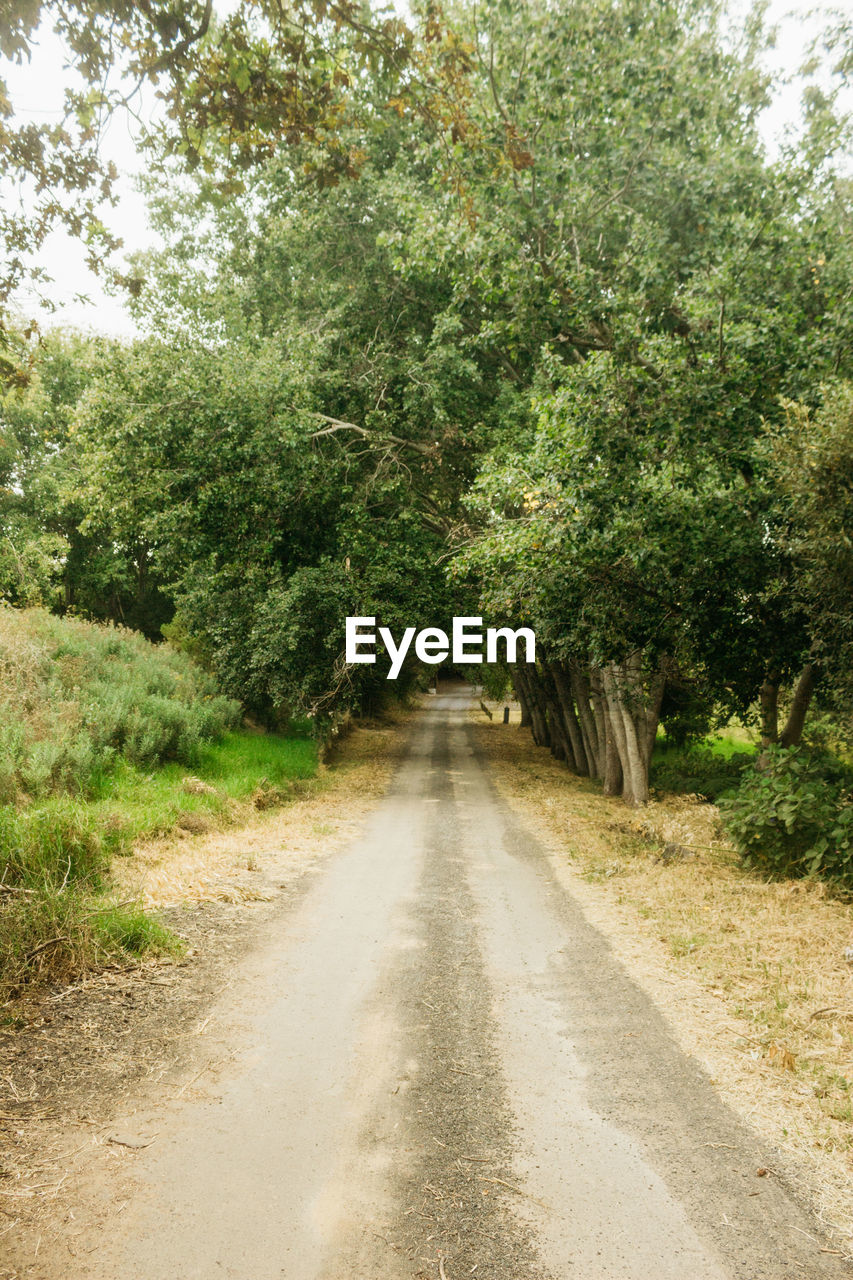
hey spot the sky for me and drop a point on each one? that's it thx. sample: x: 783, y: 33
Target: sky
x: 37, y: 91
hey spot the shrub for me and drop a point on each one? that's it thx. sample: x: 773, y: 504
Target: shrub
x: 75, y: 696
x: 793, y: 815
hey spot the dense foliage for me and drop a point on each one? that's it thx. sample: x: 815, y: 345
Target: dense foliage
x: 77, y: 698
x: 794, y: 815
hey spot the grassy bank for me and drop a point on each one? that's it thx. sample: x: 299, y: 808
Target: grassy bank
x: 106, y: 740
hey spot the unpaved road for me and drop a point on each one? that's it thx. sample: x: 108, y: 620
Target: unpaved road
x: 434, y: 1067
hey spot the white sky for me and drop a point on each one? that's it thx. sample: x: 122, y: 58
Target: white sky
x: 37, y: 91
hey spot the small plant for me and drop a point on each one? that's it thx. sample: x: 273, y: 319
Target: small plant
x: 793, y: 815
x: 135, y: 933
x: 683, y: 945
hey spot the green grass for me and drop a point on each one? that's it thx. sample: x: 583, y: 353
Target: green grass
x: 56, y: 920
x: 240, y: 762
x: 133, y: 803
x: 106, y: 739
x: 135, y: 933
x: 70, y: 839
x: 729, y: 742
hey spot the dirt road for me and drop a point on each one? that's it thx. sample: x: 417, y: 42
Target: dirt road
x: 434, y: 1067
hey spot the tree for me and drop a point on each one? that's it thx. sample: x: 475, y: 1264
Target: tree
x: 686, y: 295
x: 810, y: 457
x: 266, y: 532
x: 45, y: 555
x: 232, y: 92
x: 558, y: 260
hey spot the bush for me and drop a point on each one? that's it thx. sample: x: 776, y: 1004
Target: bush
x: 793, y: 815
x: 76, y: 696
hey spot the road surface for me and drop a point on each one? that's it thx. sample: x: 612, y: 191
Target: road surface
x: 434, y: 1067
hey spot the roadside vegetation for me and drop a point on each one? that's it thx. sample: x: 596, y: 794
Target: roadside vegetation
x: 787, y: 811
x: 107, y: 739
x: 708, y: 767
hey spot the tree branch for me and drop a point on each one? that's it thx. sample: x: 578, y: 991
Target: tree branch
x: 337, y: 424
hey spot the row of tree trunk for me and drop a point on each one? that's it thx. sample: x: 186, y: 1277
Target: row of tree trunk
x: 602, y: 721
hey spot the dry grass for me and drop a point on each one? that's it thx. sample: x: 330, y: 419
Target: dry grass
x: 752, y: 975
x: 246, y: 861
x: 21, y: 655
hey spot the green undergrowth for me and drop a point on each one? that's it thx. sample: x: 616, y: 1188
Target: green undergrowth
x: 787, y: 811
x: 242, y: 761
x: 793, y: 816
x: 56, y: 918
x: 106, y: 739
x: 709, y: 768
x: 131, y: 803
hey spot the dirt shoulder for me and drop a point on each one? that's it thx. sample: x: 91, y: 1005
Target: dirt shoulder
x: 752, y: 976
x: 72, y: 1057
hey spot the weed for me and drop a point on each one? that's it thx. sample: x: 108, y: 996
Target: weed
x: 685, y: 944
x: 135, y: 933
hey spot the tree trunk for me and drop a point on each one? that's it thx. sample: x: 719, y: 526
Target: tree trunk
x: 603, y: 728
x: 570, y: 719
x: 539, y: 709
x: 652, y: 716
x: 612, y: 772
x: 526, y: 720
x: 593, y: 741
x: 634, y: 716
x: 793, y: 731
x: 538, y: 721
x: 769, y: 702
x: 617, y: 723
x: 561, y: 747
x: 636, y: 790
